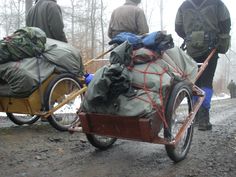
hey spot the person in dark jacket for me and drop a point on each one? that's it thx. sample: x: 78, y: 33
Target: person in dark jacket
x: 128, y: 18
x: 47, y: 15
x: 199, y: 23
x: 232, y: 89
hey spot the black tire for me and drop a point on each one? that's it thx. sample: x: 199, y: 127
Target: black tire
x: 178, y: 108
x: 101, y: 142
x: 22, y: 119
x: 57, y: 91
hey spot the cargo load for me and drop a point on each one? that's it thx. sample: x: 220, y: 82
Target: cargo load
x: 137, y: 82
x: 21, y: 78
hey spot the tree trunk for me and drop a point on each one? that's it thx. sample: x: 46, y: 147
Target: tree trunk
x: 18, y: 14
x: 73, y: 22
x: 102, y: 27
x: 93, y: 23
x: 161, y: 14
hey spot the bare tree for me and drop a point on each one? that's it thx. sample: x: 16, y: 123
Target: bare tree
x: 18, y: 6
x: 148, y: 10
x: 84, y: 25
x: 87, y: 27
x: 161, y: 15
x: 102, y: 27
x: 11, y: 15
x: 73, y: 21
x: 93, y: 26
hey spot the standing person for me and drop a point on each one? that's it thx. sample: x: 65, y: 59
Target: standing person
x: 232, y: 89
x: 128, y: 18
x: 202, y: 24
x: 47, y: 15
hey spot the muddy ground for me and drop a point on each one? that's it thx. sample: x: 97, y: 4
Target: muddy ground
x: 41, y: 151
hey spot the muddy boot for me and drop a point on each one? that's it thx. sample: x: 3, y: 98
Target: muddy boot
x: 204, y: 120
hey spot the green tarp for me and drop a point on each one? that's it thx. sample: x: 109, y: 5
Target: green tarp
x: 21, y: 78
x: 150, y: 82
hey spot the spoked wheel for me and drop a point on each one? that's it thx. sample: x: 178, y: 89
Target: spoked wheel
x: 101, y: 142
x: 178, y: 108
x: 22, y: 119
x: 58, y: 91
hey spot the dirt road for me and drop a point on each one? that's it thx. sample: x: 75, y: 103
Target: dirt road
x: 41, y: 151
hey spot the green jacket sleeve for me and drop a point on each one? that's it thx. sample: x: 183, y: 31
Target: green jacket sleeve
x: 179, y: 28
x: 56, y: 22
x: 224, y: 18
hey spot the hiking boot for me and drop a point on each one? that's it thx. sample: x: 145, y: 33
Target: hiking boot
x: 205, y: 126
x: 204, y: 119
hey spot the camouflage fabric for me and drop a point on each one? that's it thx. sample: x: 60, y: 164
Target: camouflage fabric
x: 23, y: 43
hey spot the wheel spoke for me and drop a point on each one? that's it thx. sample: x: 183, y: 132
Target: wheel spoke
x: 178, y: 110
x: 57, y: 93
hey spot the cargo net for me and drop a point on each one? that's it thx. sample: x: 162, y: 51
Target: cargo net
x: 154, y: 75
x: 137, y: 84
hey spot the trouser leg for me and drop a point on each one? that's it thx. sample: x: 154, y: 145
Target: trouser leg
x: 205, y: 82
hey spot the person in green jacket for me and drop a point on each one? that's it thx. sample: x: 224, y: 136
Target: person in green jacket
x: 203, y: 24
x: 128, y: 18
x: 47, y: 15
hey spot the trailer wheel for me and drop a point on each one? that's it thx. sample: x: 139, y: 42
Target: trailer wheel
x: 101, y: 142
x: 22, y: 119
x: 57, y: 91
x: 178, y: 108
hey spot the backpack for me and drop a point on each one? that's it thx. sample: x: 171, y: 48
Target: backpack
x: 24, y: 43
x: 203, y: 35
x: 157, y: 41
x: 133, y: 39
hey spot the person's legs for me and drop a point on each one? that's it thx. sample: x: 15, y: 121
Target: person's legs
x: 231, y: 94
x: 205, y: 82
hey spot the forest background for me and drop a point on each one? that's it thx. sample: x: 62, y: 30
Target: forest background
x: 86, y: 23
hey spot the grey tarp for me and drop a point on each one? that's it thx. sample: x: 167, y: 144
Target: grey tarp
x: 66, y: 57
x: 174, y: 64
x: 20, y: 79
x: 180, y: 63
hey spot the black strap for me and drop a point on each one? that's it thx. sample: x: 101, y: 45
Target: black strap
x: 210, y: 35
x: 197, y: 7
x: 38, y: 58
x: 199, y: 14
